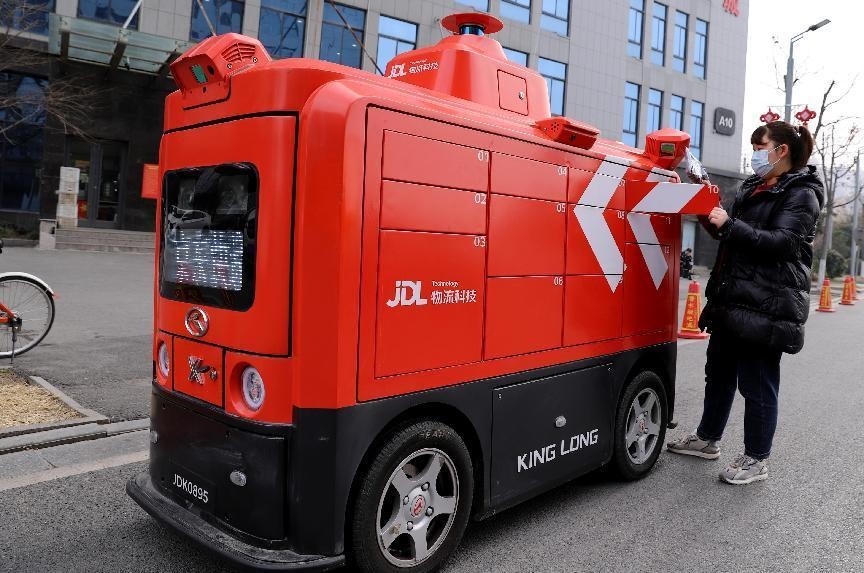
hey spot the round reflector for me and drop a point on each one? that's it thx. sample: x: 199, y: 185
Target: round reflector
x: 164, y: 360
x: 253, y: 388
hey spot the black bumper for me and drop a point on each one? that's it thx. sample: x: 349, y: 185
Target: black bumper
x: 141, y: 489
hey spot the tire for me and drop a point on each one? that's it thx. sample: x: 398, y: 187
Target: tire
x: 380, y: 538
x: 35, y: 306
x: 643, y: 420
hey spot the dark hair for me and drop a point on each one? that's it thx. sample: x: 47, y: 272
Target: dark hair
x: 797, y: 138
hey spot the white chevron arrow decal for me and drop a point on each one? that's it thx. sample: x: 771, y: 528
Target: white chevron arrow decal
x: 605, y: 182
x: 668, y: 197
x: 601, y: 241
x: 652, y: 252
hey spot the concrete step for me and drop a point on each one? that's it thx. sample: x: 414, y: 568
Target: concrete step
x: 104, y: 240
x: 104, y: 248
x: 89, y: 240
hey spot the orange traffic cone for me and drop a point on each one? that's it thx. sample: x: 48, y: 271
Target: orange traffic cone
x: 848, y: 297
x: 690, y: 322
x: 825, y: 299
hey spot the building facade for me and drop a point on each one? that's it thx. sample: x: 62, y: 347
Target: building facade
x: 627, y: 67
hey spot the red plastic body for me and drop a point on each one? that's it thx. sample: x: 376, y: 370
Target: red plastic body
x: 411, y: 239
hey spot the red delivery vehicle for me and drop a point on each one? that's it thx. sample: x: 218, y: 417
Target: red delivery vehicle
x: 386, y: 305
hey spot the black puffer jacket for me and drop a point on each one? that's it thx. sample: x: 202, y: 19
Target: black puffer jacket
x: 759, y: 289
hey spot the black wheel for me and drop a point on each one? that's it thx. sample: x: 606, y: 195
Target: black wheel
x: 414, y: 501
x: 33, y: 309
x: 640, y: 426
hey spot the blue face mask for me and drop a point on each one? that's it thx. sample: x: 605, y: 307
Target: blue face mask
x: 760, y: 164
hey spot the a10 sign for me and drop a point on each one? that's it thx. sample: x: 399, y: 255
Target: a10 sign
x: 724, y: 121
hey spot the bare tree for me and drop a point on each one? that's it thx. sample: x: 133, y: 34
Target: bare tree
x: 835, y: 139
x: 61, y: 103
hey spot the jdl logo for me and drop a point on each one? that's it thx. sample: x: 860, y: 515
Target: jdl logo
x: 397, y: 71
x: 401, y: 296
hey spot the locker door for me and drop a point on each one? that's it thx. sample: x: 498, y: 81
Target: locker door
x: 648, y: 292
x: 526, y: 236
x: 413, y: 207
x: 430, y: 301
x: 421, y: 160
x: 528, y: 178
x: 654, y: 228
x: 523, y: 314
x: 595, y: 240
x: 592, y: 309
x: 604, y: 188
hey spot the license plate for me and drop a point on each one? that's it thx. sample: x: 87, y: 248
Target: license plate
x: 190, y: 486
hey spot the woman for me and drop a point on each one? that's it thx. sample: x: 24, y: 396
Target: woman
x: 758, y: 296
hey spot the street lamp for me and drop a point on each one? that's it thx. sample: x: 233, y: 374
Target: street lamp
x: 856, y: 207
x: 790, y: 66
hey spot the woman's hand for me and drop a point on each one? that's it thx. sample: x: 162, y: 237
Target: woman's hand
x: 718, y: 217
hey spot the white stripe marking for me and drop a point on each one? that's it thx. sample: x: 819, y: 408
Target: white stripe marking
x: 604, y: 183
x: 601, y: 241
x: 668, y: 198
x: 643, y: 231
x: 656, y: 262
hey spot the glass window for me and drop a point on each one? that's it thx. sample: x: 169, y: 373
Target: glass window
x: 655, y: 110
x: 658, y: 34
x: 555, y: 74
x: 482, y: 5
x: 282, y: 27
x: 519, y: 10
x: 394, y: 37
x: 700, y: 49
x: 111, y: 11
x: 516, y: 56
x: 337, y: 42
x: 208, y: 242
x: 634, y: 28
x: 697, y: 109
x: 225, y: 15
x: 676, y: 112
x: 22, y: 122
x: 26, y: 15
x: 555, y: 16
x: 631, y: 114
x: 679, y: 43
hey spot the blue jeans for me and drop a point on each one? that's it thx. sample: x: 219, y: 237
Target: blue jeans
x: 755, y: 371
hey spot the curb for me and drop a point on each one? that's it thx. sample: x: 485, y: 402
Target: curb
x: 88, y: 416
x: 60, y: 436
x: 90, y: 426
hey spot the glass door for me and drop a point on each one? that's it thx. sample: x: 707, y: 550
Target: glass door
x: 107, y: 195
x: 101, y: 183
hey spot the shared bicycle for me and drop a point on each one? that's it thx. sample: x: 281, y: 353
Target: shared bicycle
x: 26, y: 312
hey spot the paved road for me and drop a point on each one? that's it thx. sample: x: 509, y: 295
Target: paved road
x: 98, y: 350
x: 807, y: 517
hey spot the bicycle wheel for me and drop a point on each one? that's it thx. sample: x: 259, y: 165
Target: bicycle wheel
x: 34, y: 305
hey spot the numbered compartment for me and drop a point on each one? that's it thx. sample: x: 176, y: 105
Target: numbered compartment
x: 413, y: 207
x: 526, y: 236
x: 430, y: 301
x: 420, y: 160
x: 592, y: 308
x: 652, y: 228
x: 595, y: 240
x: 528, y: 178
x: 649, y: 299
x: 601, y: 188
x: 523, y: 314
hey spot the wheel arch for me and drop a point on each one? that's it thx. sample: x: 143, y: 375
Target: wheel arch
x: 433, y: 411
